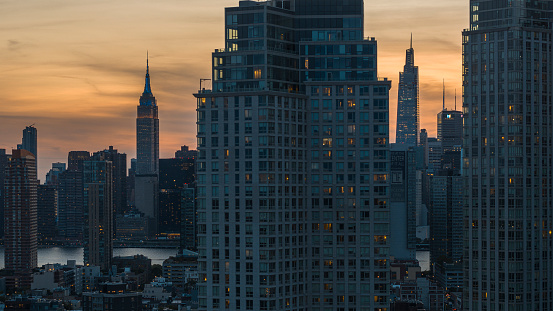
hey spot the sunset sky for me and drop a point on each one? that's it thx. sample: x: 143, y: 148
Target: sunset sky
x: 76, y: 68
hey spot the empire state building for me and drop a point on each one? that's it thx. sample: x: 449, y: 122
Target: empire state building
x: 147, y: 131
x: 147, y: 153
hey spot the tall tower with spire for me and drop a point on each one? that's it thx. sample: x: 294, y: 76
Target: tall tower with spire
x: 147, y: 130
x: 147, y: 152
x: 408, y: 120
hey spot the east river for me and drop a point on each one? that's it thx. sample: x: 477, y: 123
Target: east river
x: 157, y: 255
x: 62, y: 254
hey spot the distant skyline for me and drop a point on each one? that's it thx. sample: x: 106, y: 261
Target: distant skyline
x: 76, y: 69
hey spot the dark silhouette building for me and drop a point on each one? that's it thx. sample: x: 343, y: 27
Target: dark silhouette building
x: 174, y: 176
x: 4, y: 158
x: 112, y: 297
x: 147, y: 155
x: 71, y: 206
x: 29, y: 140
x: 71, y: 203
x: 119, y: 162
x: 47, y: 210
x: 450, y: 129
x: 185, y: 153
x: 98, y: 213
x: 75, y: 160
x: 20, y: 216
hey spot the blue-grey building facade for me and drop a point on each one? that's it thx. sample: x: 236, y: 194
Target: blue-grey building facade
x: 508, y: 156
x: 293, y: 164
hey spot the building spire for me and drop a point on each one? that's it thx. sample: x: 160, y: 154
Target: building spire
x: 147, y: 87
x: 147, y: 98
x: 411, y: 45
x: 443, y: 94
x: 455, y: 99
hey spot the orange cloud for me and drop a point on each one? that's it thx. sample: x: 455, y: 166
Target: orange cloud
x: 76, y: 68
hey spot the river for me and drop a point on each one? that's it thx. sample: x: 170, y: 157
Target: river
x: 62, y: 254
x: 157, y: 255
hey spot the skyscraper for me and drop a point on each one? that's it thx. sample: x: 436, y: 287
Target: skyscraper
x: 20, y: 216
x: 71, y: 206
x: 4, y: 158
x: 292, y: 193
x: 98, y: 213
x: 54, y: 173
x: 47, y: 212
x: 70, y: 198
x: 119, y: 163
x: 450, y: 129
x: 29, y: 140
x: 403, y: 201
x: 147, y: 131
x: 147, y: 154
x: 174, y: 176
x: 408, y: 123
x: 508, y: 154
x: 75, y: 160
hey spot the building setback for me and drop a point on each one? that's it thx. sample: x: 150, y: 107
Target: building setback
x: 147, y: 155
x: 292, y: 195
x: 508, y: 156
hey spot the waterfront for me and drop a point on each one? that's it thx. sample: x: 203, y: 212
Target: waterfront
x: 62, y: 254
x: 157, y: 255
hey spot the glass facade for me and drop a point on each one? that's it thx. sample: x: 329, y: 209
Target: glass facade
x: 408, y: 117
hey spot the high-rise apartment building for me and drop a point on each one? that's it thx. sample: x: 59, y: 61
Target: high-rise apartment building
x: 119, y: 163
x: 293, y: 164
x: 147, y: 154
x: 174, y: 176
x: 70, y: 198
x: 98, y: 213
x: 75, y: 160
x: 188, y: 219
x: 403, y: 201
x: 70, y: 206
x: 20, y: 216
x: 408, y: 119
x: 54, y: 173
x: 446, y: 217
x: 47, y: 212
x: 508, y: 154
x: 4, y: 158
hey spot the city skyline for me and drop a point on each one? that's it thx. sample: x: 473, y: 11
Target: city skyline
x: 66, y: 82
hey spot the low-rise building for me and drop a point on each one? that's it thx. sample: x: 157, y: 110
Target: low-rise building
x: 158, y: 290
x: 182, y: 271
x: 112, y: 297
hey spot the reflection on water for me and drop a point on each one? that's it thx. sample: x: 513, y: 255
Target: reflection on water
x: 61, y: 255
